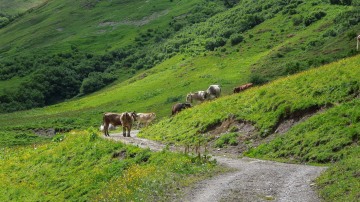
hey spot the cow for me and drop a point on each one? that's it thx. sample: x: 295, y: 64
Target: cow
x: 127, y: 119
x: 145, y: 118
x: 243, y: 87
x: 199, y: 96
x: 110, y: 118
x: 178, y: 107
x: 213, y: 92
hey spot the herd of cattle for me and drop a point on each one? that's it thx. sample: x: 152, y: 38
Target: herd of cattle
x: 127, y: 119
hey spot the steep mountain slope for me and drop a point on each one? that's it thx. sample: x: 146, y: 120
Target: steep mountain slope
x: 71, y: 61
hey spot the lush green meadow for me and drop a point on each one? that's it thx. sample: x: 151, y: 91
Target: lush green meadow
x: 81, y: 166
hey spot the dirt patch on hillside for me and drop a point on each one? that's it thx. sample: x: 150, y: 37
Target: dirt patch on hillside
x: 249, y: 135
x: 45, y: 132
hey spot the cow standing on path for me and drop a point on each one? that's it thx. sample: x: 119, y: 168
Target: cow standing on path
x: 127, y: 119
x: 110, y: 118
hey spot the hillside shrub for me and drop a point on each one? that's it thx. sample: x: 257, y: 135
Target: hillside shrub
x: 297, y: 20
x: 313, y: 17
x: 236, y: 39
x: 211, y: 44
x: 4, y: 21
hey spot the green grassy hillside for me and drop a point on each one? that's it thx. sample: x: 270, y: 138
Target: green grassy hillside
x: 331, y: 136
x: 16, y: 7
x: 83, y: 167
x: 88, y: 48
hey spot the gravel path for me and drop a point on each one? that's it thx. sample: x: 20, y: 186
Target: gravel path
x: 251, y: 180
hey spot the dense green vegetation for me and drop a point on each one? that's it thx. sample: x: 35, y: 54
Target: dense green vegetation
x: 81, y: 166
x: 162, y: 31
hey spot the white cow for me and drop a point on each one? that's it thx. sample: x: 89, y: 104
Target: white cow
x: 213, y: 92
x: 199, y: 96
x: 145, y: 118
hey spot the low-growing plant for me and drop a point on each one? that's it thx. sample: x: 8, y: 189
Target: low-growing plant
x: 227, y: 139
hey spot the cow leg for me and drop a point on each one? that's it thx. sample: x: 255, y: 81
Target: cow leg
x: 129, y: 129
x: 106, y: 127
x: 124, y: 131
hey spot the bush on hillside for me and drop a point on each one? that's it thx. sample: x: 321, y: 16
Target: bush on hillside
x: 4, y: 21
x: 211, y: 44
x: 236, y: 39
x: 313, y: 17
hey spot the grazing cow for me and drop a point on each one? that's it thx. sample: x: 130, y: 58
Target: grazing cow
x: 145, y: 118
x: 213, y: 92
x: 199, y: 96
x: 127, y: 119
x: 243, y: 87
x: 179, y: 107
x: 110, y: 118
x: 111, y: 127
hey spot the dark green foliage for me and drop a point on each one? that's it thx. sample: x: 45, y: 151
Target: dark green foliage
x: 257, y: 79
x: 341, y: 2
x: 96, y: 81
x: 4, y: 21
x: 236, y: 39
x: 211, y: 44
x: 297, y: 20
x: 313, y: 17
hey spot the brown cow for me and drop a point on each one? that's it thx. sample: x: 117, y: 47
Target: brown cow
x: 243, y: 87
x: 112, y: 118
x: 127, y: 119
x: 179, y: 107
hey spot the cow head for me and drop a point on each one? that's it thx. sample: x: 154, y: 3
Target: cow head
x: 187, y: 105
x: 133, y: 115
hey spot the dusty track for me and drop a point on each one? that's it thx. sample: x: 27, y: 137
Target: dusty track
x: 251, y: 180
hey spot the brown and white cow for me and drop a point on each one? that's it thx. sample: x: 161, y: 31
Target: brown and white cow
x: 110, y: 118
x: 145, y: 118
x: 199, y: 96
x: 127, y: 119
x: 178, y: 107
x: 242, y: 87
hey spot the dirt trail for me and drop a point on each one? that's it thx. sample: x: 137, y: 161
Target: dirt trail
x: 251, y: 180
